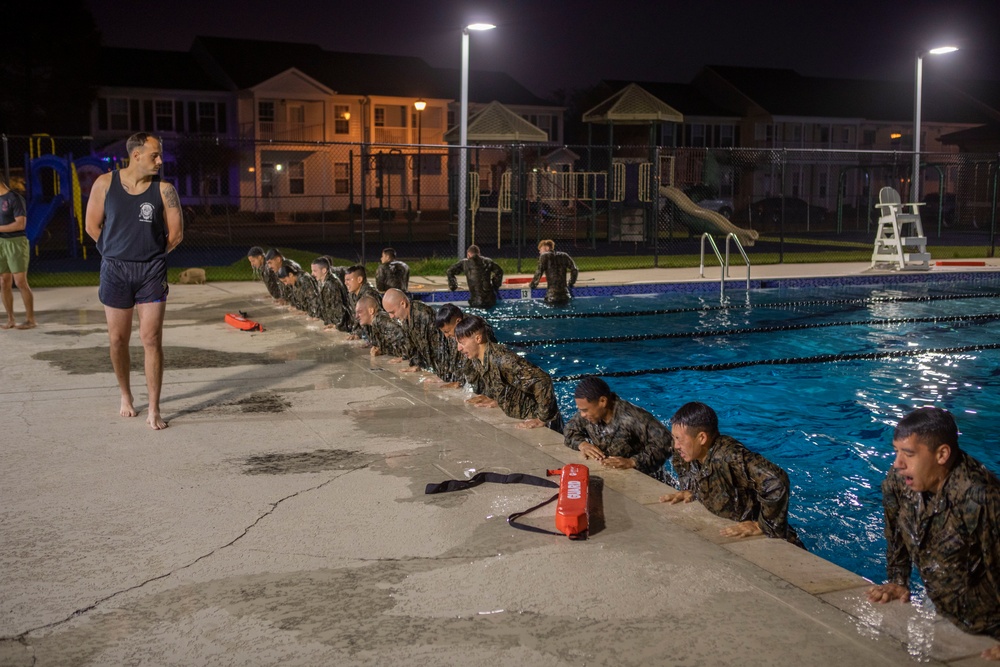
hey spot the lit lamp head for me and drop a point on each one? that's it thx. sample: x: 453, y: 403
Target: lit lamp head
x: 420, y: 105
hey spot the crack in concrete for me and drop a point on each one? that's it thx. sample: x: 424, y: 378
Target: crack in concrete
x: 22, y: 638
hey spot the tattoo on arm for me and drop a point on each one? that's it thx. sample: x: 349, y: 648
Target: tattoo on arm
x: 170, y: 197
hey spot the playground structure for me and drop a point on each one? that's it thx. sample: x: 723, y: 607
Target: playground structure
x: 629, y: 193
x: 53, y: 186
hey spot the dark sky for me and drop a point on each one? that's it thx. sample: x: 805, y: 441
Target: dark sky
x: 551, y: 44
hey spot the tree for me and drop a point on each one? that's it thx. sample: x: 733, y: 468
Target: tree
x: 47, y: 68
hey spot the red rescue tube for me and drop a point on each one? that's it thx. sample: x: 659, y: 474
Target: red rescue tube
x: 572, y: 513
x: 242, y: 322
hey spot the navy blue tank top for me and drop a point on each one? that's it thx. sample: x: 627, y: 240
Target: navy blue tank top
x: 134, y: 226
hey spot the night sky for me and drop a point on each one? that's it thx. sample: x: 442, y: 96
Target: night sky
x: 553, y: 44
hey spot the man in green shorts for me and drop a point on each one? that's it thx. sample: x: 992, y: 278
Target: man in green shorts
x: 14, y: 255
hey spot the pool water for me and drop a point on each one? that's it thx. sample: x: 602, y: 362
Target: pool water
x: 815, y: 379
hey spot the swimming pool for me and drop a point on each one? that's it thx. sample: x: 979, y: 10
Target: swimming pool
x: 814, y: 378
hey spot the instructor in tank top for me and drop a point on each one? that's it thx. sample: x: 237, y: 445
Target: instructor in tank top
x: 135, y: 219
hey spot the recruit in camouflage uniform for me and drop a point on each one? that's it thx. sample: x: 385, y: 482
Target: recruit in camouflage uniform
x: 953, y: 537
x: 483, y: 275
x: 632, y: 433
x: 522, y: 390
x: 427, y: 343
x: 386, y: 335
x: 302, y: 291
x: 393, y: 274
x: 554, y: 266
x: 271, y: 282
x: 334, y: 303
x: 365, y: 289
x: 738, y: 484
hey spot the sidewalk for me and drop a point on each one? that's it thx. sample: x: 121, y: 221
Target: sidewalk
x: 281, y: 520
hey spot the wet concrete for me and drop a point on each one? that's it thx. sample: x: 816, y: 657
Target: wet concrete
x: 89, y: 360
x: 297, y: 533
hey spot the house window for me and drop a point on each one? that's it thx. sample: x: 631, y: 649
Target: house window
x: 296, y: 178
x: 390, y: 116
x: 265, y: 112
x: 207, y: 119
x: 164, y: 115
x: 824, y: 134
x: 697, y: 135
x: 118, y: 118
x: 379, y: 116
x: 341, y: 178
x: 727, y: 136
x: 341, y: 122
x: 868, y: 138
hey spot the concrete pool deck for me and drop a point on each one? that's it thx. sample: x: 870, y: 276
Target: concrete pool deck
x: 281, y: 520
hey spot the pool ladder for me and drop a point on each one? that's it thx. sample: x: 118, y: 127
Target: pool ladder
x: 723, y: 263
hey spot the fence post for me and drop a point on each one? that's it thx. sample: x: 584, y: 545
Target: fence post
x: 6, y: 161
x: 781, y: 223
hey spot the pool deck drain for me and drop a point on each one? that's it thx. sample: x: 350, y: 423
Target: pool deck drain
x: 126, y: 545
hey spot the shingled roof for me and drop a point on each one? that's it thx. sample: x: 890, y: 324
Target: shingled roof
x: 632, y: 105
x: 684, y: 97
x: 142, y: 68
x: 495, y: 122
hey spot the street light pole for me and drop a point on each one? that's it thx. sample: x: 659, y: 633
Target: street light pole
x: 463, y: 133
x: 419, y: 105
x: 919, y: 81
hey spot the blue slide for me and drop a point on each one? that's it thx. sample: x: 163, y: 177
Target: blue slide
x: 39, y: 215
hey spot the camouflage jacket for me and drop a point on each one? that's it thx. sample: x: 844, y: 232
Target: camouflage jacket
x: 555, y: 265
x: 386, y: 334
x: 392, y: 274
x: 271, y: 282
x: 306, y: 295
x: 287, y: 292
x: 738, y: 484
x: 522, y: 389
x: 484, y: 277
x: 632, y: 433
x: 953, y: 537
x: 365, y: 290
x: 334, y: 306
x: 426, y: 340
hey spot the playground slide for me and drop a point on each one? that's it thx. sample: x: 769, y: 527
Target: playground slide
x: 39, y: 215
x: 700, y: 220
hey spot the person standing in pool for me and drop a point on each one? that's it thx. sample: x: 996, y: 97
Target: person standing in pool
x: 942, y: 514
x: 136, y: 219
x: 727, y: 478
x: 483, y: 275
x: 614, y: 432
x: 554, y: 266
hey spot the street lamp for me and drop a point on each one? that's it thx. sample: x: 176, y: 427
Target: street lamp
x: 419, y: 105
x: 463, y: 133
x: 915, y: 174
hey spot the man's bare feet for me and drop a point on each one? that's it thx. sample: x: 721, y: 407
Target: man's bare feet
x: 10, y: 325
x: 27, y: 325
x: 127, y: 409
x: 155, y: 421
x: 992, y: 653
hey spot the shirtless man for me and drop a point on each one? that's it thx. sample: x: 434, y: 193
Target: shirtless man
x: 136, y: 219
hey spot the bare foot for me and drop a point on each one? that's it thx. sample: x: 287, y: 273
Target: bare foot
x: 155, y: 421
x: 10, y: 325
x: 127, y: 410
x: 27, y: 325
x: 992, y: 653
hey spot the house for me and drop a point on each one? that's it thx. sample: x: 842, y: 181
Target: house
x: 283, y: 125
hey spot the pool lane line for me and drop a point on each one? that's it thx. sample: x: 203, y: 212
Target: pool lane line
x: 986, y: 317
x: 861, y: 301
x: 819, y: 359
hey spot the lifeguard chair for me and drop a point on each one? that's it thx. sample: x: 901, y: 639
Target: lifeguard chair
x: 900, y: 239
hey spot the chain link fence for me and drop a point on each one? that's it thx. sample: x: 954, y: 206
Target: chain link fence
x: 611, y: 207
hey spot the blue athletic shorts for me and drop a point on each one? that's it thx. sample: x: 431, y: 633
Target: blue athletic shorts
x: 124, y: 284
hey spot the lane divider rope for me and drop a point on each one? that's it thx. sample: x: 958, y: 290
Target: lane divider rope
x: 818, y: 359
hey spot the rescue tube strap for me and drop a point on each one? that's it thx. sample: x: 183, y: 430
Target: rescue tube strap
x: 498, y: 478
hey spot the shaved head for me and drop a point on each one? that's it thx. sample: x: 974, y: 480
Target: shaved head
x: 396, y: 303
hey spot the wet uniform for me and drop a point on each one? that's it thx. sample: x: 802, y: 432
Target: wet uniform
x: 394, y: 274
x: 288, y: 291
x: 738, y: 484
x: 386, y: 334
x: 953, y: 538
x: 554, y: 265
x: 271, y: 282
x: 334, y: 304
x: 427, y: 347
x: 484, y: 277
x: 133, y: 246
x: 306, y: 290
x: 523, y: 390
x: 632, y: 433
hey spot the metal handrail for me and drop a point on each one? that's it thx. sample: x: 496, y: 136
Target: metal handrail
x: 722, y: 264
x: 739, y: 246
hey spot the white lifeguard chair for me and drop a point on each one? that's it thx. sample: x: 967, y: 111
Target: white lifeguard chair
x: 900, y: 239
